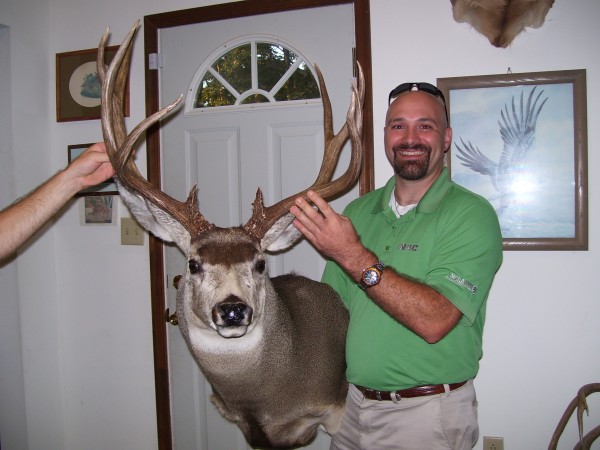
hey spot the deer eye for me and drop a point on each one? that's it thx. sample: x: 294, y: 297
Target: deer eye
x: 194, y: 266
x: 260, y: 266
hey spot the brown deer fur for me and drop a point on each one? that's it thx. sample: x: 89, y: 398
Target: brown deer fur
x: 501, y: 20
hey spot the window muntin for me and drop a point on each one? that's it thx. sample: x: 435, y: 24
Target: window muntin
x: 254, y: 72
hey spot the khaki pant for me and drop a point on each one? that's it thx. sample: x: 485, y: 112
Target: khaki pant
x: 435, y: 422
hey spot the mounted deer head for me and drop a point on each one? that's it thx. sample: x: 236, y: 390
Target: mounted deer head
x: 256, y: 339
x: 501, y: 20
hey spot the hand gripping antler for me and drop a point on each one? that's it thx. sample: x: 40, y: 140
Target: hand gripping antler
x: 263, y: 218
x: 144, y: 198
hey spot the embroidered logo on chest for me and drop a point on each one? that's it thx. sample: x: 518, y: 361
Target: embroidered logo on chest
x: 408, y: 247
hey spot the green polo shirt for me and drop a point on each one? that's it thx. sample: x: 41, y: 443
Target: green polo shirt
x: 450, y: 241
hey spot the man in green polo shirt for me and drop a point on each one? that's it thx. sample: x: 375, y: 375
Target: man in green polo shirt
x: 414, y: 262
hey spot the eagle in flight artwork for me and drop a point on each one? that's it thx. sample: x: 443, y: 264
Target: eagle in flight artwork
x: 517, y: 130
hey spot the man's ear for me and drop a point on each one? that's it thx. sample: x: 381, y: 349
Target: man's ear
x: 447, y: 139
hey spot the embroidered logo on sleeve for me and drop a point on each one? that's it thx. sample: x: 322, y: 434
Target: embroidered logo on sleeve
x: 459, y: 281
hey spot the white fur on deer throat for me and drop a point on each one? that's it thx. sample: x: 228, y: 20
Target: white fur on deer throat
x: 209, y: 341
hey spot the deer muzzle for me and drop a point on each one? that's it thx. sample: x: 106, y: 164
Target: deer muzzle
x: 232, y: 317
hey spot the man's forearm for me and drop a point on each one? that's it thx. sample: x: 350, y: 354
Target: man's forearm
x: 417, y: 306
x: 23, y: 218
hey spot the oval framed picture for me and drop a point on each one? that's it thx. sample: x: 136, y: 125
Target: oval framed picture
x: 78, y: 85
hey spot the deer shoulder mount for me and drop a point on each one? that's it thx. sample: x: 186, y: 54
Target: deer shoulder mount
x: 272, y: 349
x: 501, y: 20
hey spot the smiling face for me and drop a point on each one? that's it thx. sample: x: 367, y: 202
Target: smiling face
x: 416, y: 136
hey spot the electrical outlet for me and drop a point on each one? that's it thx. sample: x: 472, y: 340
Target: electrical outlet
x: 131, y: 232
x: 493, y: 443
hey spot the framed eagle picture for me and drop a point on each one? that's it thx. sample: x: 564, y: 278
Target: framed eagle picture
x: 520, y: 140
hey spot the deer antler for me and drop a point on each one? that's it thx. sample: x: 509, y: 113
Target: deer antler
x: 263, y: 218
x: 120, y: 145
x: 579, y: 403
x: 147, y: 201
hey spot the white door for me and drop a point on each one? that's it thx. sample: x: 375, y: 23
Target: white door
x: 230, y: 154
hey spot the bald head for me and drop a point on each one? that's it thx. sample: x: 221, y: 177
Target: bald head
x: 419, y: 101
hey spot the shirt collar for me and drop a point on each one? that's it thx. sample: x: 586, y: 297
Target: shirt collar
x: 430, y: 201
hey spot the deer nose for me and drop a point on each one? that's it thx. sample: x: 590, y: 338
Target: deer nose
x: 231, y: 313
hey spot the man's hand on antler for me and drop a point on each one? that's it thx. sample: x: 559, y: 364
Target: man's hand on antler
x: 331, y: 233
x: 91, y: 167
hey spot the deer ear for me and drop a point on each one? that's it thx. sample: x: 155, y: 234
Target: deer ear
x: 155, y: 220
x: 281, y: 235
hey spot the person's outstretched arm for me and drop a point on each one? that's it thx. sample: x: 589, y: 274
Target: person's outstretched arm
x: 22, y: 219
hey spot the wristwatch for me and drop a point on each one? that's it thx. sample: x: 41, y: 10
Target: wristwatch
x: 371, y: 275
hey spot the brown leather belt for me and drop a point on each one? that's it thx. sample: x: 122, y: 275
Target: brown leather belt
x: 418, y: 391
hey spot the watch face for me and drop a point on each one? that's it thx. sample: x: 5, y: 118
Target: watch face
x: 371, y: 277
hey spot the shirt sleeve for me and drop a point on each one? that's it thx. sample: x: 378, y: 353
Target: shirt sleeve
x: 468, y: 253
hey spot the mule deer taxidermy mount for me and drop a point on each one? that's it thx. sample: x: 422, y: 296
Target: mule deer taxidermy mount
x: 501, y: 20
x: 272, y: 349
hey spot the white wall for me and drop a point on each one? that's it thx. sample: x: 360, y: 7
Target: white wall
x: 84, y: 300
x: 10, y: 330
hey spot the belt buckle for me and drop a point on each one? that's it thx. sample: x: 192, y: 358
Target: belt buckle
x: 395, y: 396
x: 378, y: 395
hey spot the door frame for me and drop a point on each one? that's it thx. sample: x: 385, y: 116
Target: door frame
x: 152, y: 25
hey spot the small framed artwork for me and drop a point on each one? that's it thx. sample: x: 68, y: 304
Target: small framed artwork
x: 520, y: 140
x: 78, y: 86
x: 98, y: 210
x: 109, y: 187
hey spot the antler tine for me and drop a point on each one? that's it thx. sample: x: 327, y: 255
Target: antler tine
x: 578, y: 403
x: 121, y: 146
x: 263, y: 217
x: 352, y: 128
x: 332, y: 149
x: 113, y: 79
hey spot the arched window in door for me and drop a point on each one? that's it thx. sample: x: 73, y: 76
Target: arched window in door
x: 260, y: 70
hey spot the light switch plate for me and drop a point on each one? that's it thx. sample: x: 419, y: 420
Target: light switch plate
x: 131, y: 232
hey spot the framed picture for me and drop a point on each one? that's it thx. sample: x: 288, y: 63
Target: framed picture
x: 98, y: 210
x: 109, y: 187
x: 78, y: 85
x: 520, y: 140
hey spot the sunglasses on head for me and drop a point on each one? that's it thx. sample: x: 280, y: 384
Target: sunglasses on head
x: 423, y: 87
